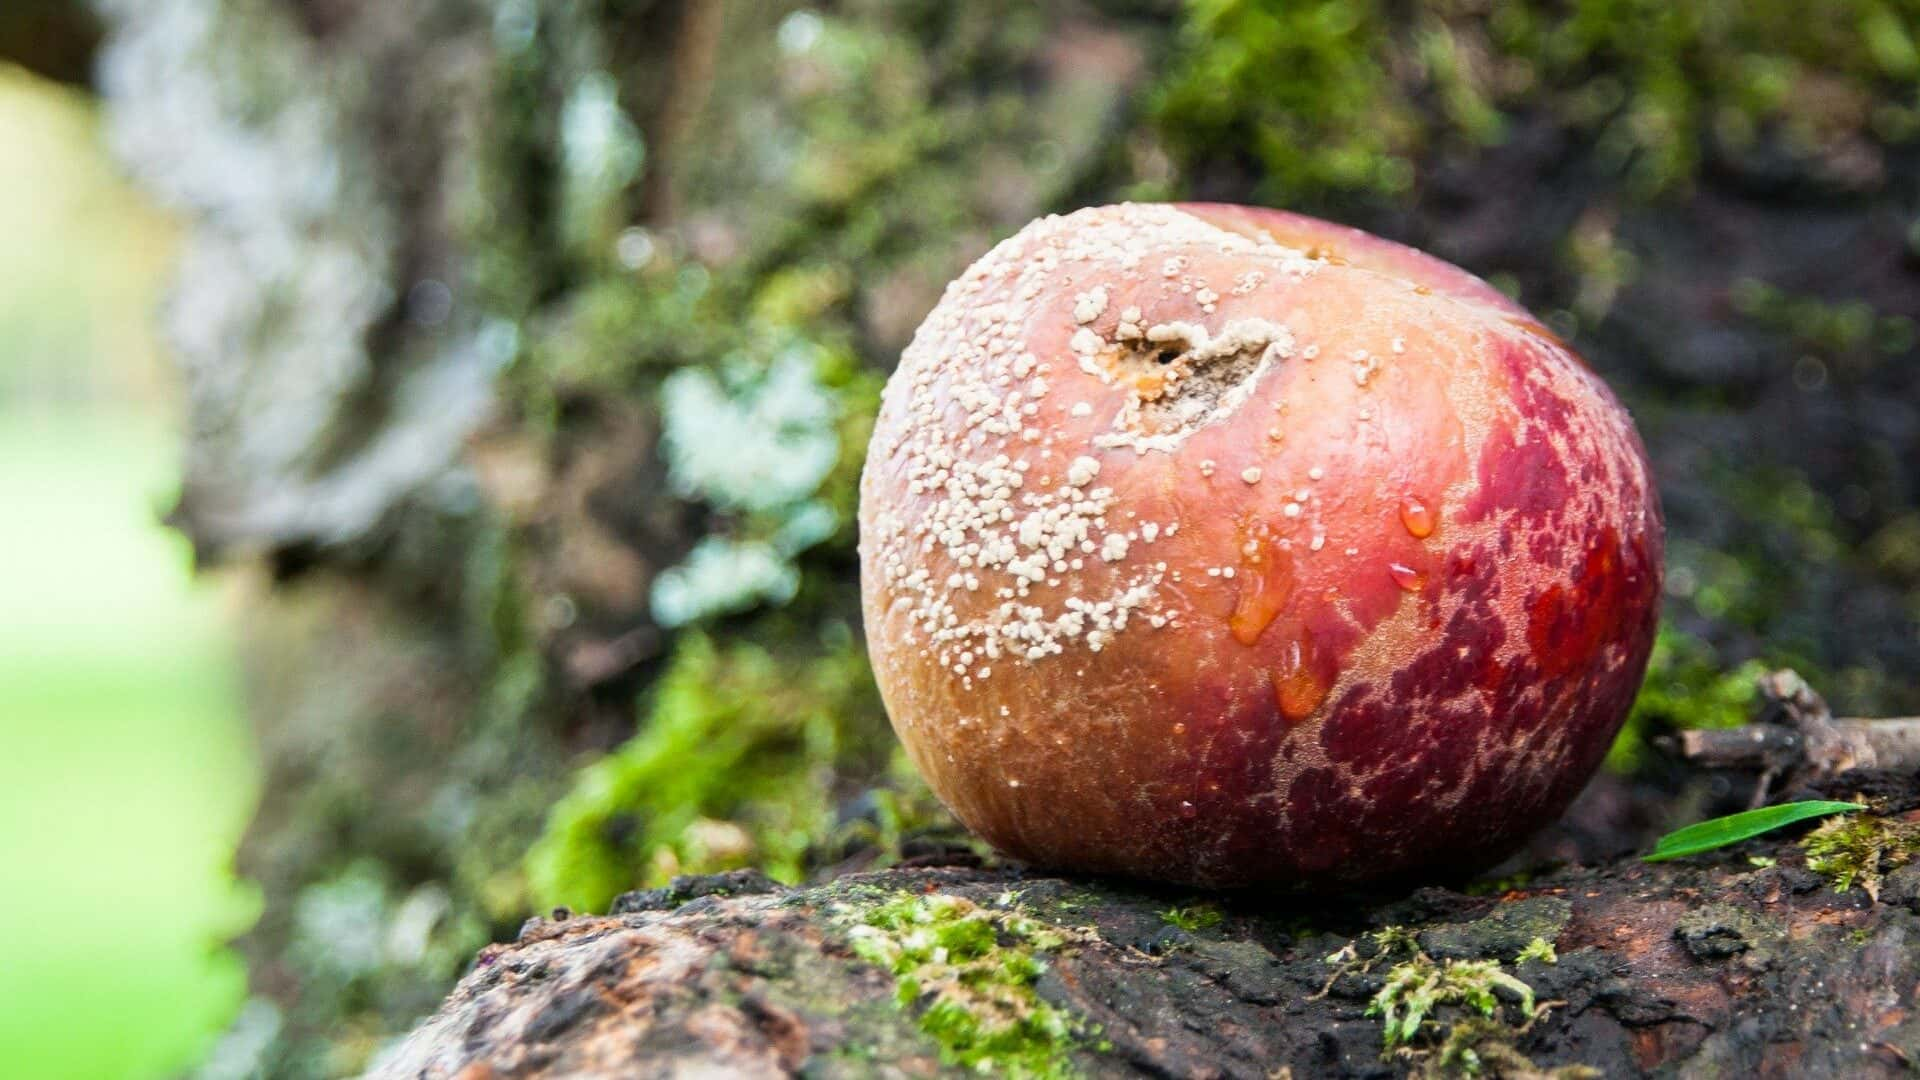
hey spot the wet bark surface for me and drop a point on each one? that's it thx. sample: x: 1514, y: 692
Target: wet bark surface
x: 1741, y: 962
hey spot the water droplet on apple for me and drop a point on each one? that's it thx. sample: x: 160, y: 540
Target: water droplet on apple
x: 1298, y: 688
x: 1266, y: 581
x: 1406, y: 577
x: 1418, y: 519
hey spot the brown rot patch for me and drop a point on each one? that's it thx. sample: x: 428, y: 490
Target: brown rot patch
x: 1180, y: 377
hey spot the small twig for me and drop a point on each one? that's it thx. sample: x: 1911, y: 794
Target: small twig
x: 1798, y: 736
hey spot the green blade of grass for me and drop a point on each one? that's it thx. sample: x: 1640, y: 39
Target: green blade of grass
x: 1721, y: 831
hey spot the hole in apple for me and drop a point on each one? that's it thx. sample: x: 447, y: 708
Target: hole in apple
x: 1183, y: 377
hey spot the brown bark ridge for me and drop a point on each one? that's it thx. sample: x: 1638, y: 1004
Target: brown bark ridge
x: 1740, y: 962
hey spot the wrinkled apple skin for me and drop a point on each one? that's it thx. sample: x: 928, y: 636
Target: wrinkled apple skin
x: 1376, y: 609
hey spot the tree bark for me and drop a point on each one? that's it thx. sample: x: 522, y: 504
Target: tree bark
x: 1712, y: 967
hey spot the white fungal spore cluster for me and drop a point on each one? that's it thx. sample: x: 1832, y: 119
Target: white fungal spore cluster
x: 1007, y: 541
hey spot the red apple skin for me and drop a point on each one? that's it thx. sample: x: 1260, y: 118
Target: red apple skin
x: 1415, y: 667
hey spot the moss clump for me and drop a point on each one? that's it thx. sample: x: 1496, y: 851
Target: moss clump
x: 1358, y: 956
x: 1337, y: 96
x: 1860, y: 849
x: 1777, y: 517
x: 1478, y: 1046
x: 1415, y: 988
x: 1686, y: 689
x: 1299, y: 86
x: 740, y: 762
x: 1412, y: 989
x: 970, y: 971
x: 1847, y: 330
x: 1192, y: 917
x: 1538, y: 949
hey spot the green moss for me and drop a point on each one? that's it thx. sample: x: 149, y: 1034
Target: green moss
x: 1357, y: 957
x: 1686, y: 688
x: 1417, y: 985
x: 1894, y: 551
x: 1479, y: 1046
x: 1415, y: 988
x: 1849, y: 330
x: 1778, y: 552
x: 741, y: 761
x: 970, y: 972
x: 1192, y: 917
x: 1335, y: 96
x: 1859, y: 849
x: 1297, y: 87
x: 617, y: 334
x: 1538, y: 949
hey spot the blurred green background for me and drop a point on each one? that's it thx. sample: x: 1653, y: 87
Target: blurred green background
x: 125, y: 777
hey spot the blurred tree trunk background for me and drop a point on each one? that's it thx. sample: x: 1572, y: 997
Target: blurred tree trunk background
x: 52, y: 38
x: 531, y: 346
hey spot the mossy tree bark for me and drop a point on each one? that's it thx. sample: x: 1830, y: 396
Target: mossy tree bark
x: 1741, y: 963
x: 530, y: 347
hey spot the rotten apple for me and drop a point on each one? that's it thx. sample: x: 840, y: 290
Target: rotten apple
x: 1226, y: 546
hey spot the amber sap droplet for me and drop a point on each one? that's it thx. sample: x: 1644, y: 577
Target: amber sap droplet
x: 1266, y: 581
x: 1297, y: 688
x: 1418, y: 519
x: 1406, y: 577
